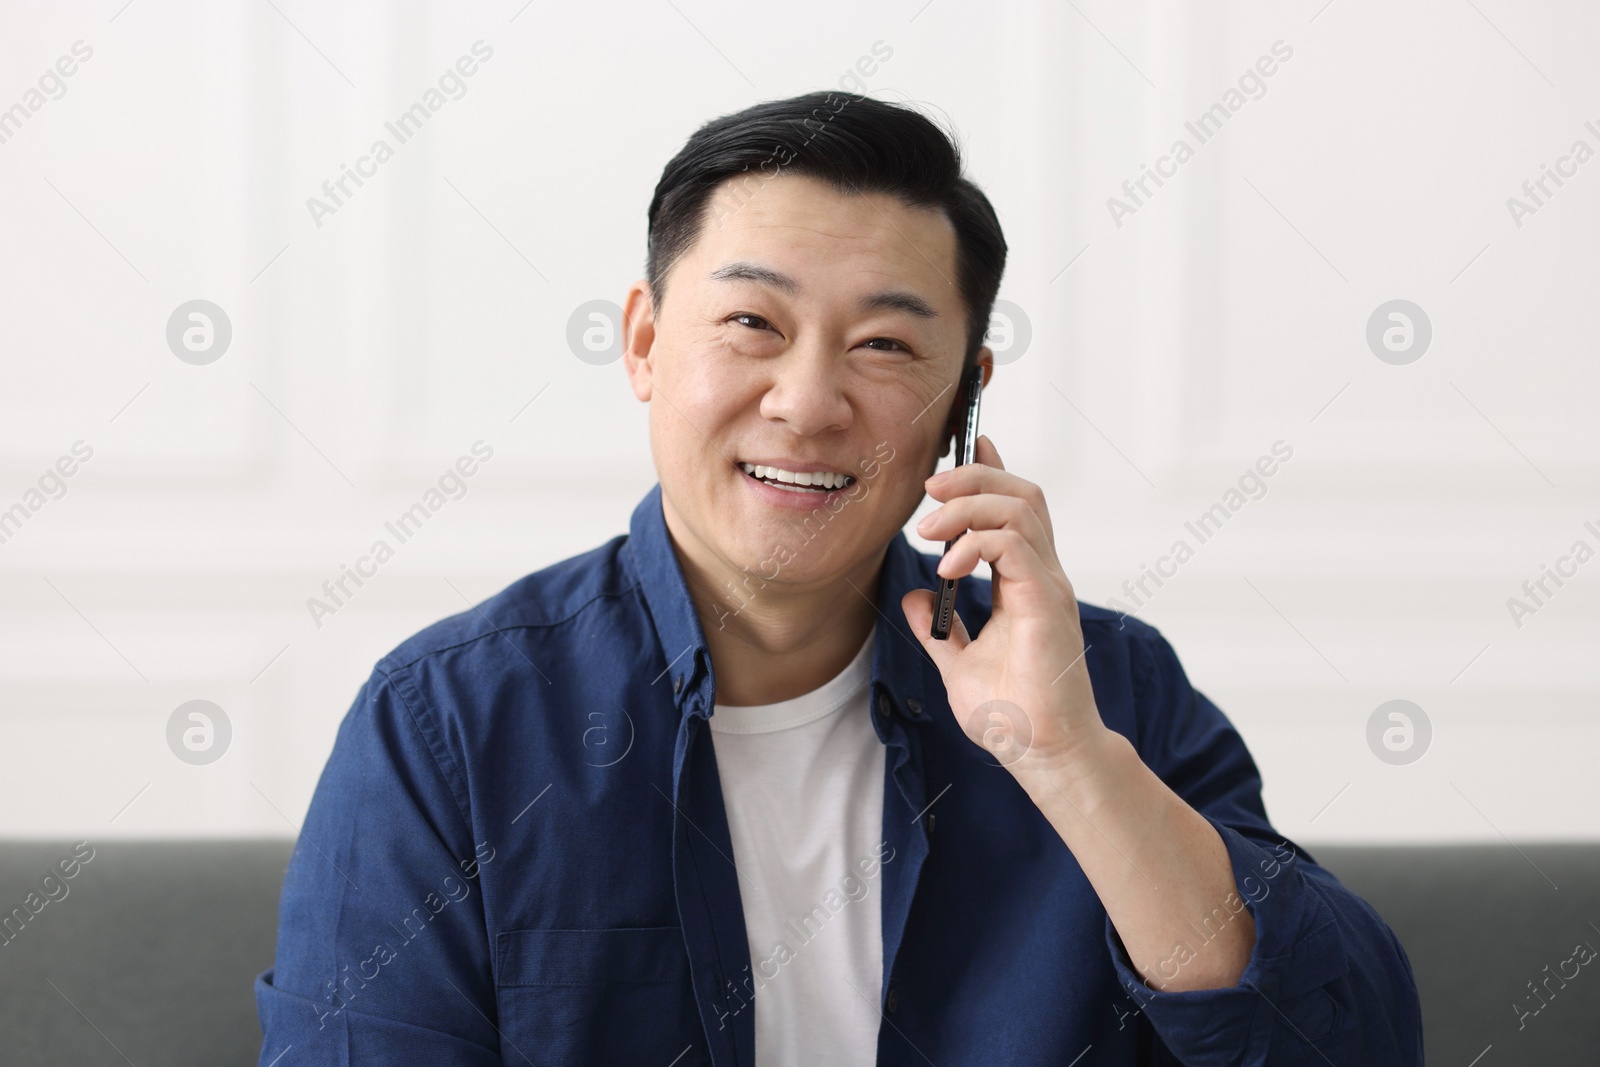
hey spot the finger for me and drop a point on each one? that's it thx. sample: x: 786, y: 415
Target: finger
x: 987, y: 454
x: 1004, y: 550
x: 991, y: 511
x: 918, y: 606
x: 986, y: 511
x: 971, y: 478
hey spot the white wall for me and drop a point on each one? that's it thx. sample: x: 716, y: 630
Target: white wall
x: 1227, y: 313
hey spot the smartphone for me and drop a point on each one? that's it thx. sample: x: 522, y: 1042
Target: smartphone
x: 944, y: 606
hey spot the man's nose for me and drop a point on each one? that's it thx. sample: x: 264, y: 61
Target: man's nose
x: 807, y: 391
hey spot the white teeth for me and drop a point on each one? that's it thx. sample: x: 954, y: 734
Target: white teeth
x: 821, y: 479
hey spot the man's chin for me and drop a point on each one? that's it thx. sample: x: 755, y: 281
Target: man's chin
x: 796, y: 550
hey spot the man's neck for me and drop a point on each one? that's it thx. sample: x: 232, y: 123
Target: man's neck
x: 782, y: 640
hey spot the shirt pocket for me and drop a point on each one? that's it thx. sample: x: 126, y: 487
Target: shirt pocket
x: 599, y: 996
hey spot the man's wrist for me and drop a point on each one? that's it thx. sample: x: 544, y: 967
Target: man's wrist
x: 1095, y: 770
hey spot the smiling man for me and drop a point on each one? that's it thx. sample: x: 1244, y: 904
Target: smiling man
x: 711, y: 794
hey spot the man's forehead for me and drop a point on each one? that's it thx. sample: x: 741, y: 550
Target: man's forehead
x: 767, y: 240
x: 812, y: 205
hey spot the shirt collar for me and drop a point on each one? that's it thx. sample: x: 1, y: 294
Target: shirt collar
x: 902, y: 674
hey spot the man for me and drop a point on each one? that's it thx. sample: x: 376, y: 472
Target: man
x: 710, y: 793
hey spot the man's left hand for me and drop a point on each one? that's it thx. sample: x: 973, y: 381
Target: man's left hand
x: 1021, y: 688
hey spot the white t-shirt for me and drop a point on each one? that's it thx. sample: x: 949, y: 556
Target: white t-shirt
x: 802, y: 781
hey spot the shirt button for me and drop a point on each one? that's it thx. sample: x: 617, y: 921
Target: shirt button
x: 914, y: 706
x: 894, y: 999
x: 883, y: 705
x: 677, y: 684
x: 930, y: 822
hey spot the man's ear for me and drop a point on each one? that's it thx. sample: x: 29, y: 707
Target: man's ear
x: 639, y: 335
x: 952, y: 425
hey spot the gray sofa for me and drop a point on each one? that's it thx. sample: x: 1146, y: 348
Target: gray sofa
x: 148, y: 958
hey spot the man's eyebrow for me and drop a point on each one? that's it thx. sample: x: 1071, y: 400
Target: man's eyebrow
x: 887, y: 300
x: 899, y: 300
x: 751, y: 272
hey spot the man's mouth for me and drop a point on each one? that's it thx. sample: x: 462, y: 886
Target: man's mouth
x: 818, y: 482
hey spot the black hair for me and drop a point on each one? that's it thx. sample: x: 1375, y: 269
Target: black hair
x: 855, y: 143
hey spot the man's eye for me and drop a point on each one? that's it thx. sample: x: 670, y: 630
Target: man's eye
x: 756, y: 321
x: 887, y: 341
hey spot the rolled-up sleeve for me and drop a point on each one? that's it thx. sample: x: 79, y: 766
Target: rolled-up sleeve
x: 1327, y: 981
x: 382, y: 952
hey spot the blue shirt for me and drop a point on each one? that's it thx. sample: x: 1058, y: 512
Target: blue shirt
x: 518, y: 853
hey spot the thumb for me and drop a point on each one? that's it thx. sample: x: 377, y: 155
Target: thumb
x: 918, y: 607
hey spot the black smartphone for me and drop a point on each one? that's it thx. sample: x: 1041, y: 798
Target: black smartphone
x: 944, y: 606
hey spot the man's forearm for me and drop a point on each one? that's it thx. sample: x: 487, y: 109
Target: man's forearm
x: 1160, y: 869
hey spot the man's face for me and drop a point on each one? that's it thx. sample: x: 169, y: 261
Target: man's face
x: 806, y: 330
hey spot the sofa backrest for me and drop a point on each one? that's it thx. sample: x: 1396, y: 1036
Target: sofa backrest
x: 1479, y: 924
x: 149, y: 955
x: 148, y: 950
